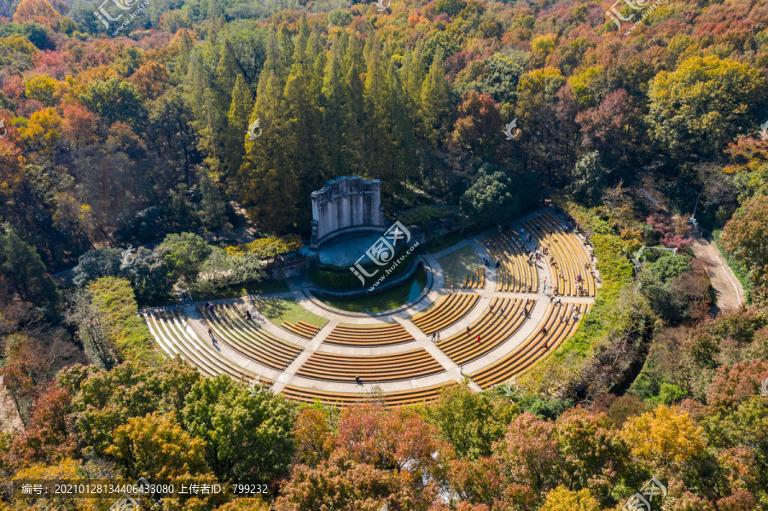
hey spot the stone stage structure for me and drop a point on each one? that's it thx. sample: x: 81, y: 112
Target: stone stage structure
x: 346, y: 204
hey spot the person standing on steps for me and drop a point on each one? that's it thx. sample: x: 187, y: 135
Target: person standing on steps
x: 358, y: 380
x: 213, y: 338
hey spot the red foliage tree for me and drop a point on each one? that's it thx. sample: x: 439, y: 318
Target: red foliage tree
x: 47, y: 437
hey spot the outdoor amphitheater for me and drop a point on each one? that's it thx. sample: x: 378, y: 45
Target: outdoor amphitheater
x: 492, y: 306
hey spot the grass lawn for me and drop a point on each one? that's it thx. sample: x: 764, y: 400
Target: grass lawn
x: 386, y: 300
x: 278, y: 310
x: 459, y: 264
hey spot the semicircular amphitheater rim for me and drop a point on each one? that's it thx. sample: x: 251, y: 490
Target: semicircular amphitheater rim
x: 527, y: 292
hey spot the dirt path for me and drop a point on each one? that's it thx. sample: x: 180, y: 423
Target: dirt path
x: 730, y: 294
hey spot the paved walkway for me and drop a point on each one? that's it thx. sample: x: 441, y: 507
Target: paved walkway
x: 196, y: 328
x: 729, y: 291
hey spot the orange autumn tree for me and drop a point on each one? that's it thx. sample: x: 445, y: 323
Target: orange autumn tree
x: 37, y: 11
x: 11, y: 162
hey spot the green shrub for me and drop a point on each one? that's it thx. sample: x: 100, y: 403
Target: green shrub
x: 616, y: 273
x: 114, y: 301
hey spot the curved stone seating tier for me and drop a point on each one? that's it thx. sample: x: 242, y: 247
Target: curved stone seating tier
x: 515, y: 274
x: 573, y: 251
x: 445, y: 312
x: 535, y: 347
x: 371, y: 369
x: 248, y: 338
x: 368, y: 335
x: 502, y: 319
x: 172, y: 329
x: 400, y: 398
x: 301, y: 328
x: 475, y: 280
x: 568, y: 253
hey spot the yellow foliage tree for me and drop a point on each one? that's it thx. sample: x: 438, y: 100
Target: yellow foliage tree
x: 43, y: 130
x: 244, y: 504
x: 584, y: 83
x: 541, y: 47
x: 43, y: 88
x: 664, y: 437
x: 537, y: 86
x: 66, y: 470
x: 563, y: 499
x: 157, y: 447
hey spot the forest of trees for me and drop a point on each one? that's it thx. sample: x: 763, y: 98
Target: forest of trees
x: 126, y: 174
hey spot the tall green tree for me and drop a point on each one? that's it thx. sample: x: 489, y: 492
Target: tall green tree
x: 388, y: 134
x: 247, y: 430
x: 434, y: 101
x: 237, y: 123
x: 268, y: 181
x: 336, y: 121
x: 24, y: 273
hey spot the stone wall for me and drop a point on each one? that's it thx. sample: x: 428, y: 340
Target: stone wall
x: 343, y: 203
